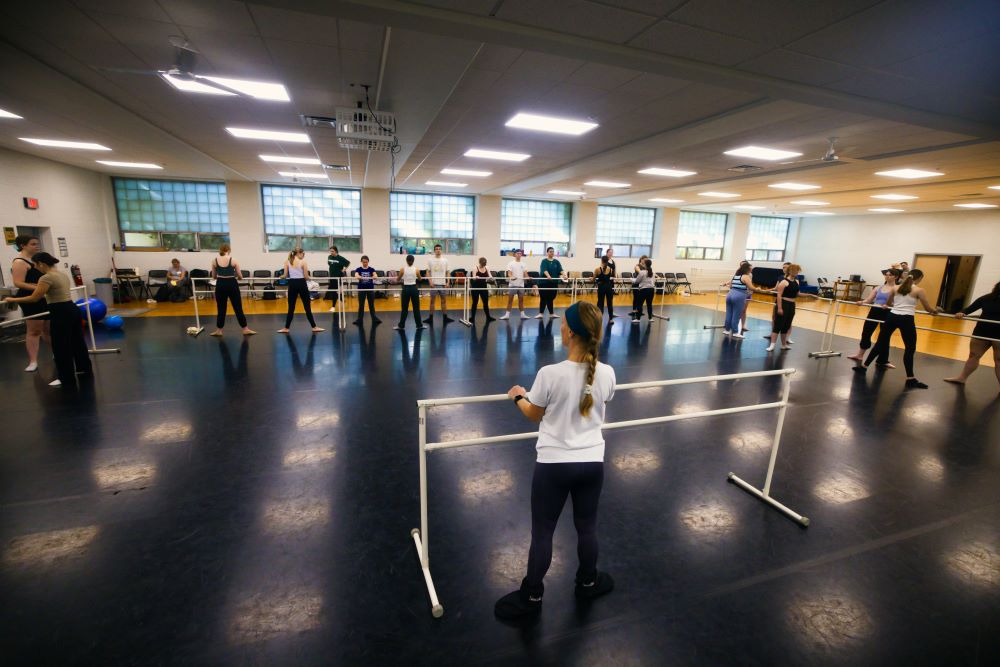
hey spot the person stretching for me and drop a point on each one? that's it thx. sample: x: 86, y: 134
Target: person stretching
x: 990, y: 305
x: 877, y: 312
x: 569, y: 400
x: 902, y: 304
x: 784, y: 306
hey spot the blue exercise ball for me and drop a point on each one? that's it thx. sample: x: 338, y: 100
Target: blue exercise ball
x: 97, y: 309
x: 114, y: 322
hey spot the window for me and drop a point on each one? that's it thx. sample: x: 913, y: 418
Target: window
x: 420, y: 221
x: 533, y: 226
x: 767, y: 239
x: 170, y: 215
x: 701, y: 235
x: 626, y: 229
x: 311, y: 218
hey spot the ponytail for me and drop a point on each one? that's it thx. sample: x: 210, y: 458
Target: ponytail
x: 584, y: 319
x: 649, y: 268
x: 907, y: 285
x: 590, y: 358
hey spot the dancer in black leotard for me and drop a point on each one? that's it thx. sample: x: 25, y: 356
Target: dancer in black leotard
x: 25, y: 277
x: 480, y: 289
x: 604, y: 276
x: 226, y: 272
x: 990, y: 305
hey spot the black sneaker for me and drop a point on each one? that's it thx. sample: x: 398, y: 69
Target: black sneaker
x: 914, y: 383
x: 519, y: 604
x: 601, y: 585
x: 490, y: 319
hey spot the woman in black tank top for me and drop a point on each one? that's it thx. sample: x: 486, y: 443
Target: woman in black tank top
x: 784, y: 306
x: 480, y: 289
x: 604, y: 276
x: 226, y: 272
x: 26, y: 277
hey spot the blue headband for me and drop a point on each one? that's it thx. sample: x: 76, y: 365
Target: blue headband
x: 574, y: 322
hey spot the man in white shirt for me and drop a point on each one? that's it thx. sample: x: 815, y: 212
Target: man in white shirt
x: 515, y: 285
x: 437, y: 272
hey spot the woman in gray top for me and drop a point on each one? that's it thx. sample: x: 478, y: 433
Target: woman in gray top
x: 644, y: 289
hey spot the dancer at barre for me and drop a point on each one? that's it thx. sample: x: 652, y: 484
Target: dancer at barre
x: 784, y: 306
x: 902, y: 304
x: 876, y: 314
x: 410, y: 295
x: 437, y: 274
x: 68, y: 347
x: 515, y: 285
x: 337, y: 265
x: 604, y: 276
x: 644, y: 289
x: 366, y: 291
x: 740, y: 290
x: 568, y: 399
x: 25, y: 277
x: 743, y: 319
x: 481, y: 279
x: 297, y: 271
x: 551, y: 271
x: 990, y: 305
x: 226, y: 272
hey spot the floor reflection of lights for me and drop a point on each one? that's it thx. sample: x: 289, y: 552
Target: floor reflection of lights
x: 636, y: 462
x: 708, y: 519
x: 751, y: 442
x: 265, y: 616
x: 51, y: 548
x: 308, y: 456
x: 509, y: 564
x: 124, y: 475
x: 292, y: 515
x: 922, y: 414
x: 839, y: 428
x: 830, y: 621
x: 689, y: 408
x: 976, y: 563
x: 842, y: 392
x: 930, y: 468
x: 166, y: 432
x: 311, y: 421
x: 487, y: 485
x: 841, y: 488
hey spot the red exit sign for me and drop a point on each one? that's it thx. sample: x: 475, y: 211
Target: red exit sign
x: 31, y: 203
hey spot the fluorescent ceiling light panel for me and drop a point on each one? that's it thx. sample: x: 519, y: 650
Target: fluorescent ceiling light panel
x: 664, y: 200
x: 817, y: 213
x: 976, y: 205
x: 720, y: 195
x: 894, y: 197
x: 130, y: 165
x: 303, y: 174
x: 608, y: 184
x: 749, y: 207
x: 909, y: 173
x: 762, y: 153
x: 488, y: 154
x: 886, y: 210
x: 193, y: 86
x: 571, y: 193
x: 57, y: 143
x: 447, y: 184
x: 466, y: 172
x: 793, y: 186
x: 284, y: 159
x: 7, y: 114
x: 529, y: 121
x: 270, y: 135
x: 660, y: 171
x: 810, y: 202
x: 258, y: 89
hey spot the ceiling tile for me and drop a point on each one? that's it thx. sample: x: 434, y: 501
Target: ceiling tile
x: 496, y: 58
x: 295, y: 26
x: 685, y: 41
x: 576, y: 17
x: 798, y: 67
x: 361, y: 36
x: 606, y: 77
x: 542, y: 66
x: 477, y: 7
x: 219, y: 15
x: 143, y: 9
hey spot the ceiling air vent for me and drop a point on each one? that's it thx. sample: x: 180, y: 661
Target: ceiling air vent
x: 336, y: 167
x: 320, y: 121
x: 744, y: 168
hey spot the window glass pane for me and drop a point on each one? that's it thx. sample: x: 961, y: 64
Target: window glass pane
x: 310, y: 211
x: 170, y: 206
x: 625, y: 225
x: 713, y: 253
x: 701, y: 229
x: 179, y: 241
x: 140, y: 240
x: 212, y: 241
x: 276, y: 242
x: 348, y: 243
x: 696, y: 253
x: 623, y: 250
x: 775, y: 255
x: 418, y: 220
x: 459, y: 247
x: 316, y: 243
x: 640, y: 250
x: 767, y: 233
x: 547, y: 222
x: 533, y: 248
x: 681, y: 252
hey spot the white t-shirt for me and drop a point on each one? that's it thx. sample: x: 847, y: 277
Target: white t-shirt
x: 516, y: 270
x: 566, y: 436
x: 409, y: 275
x: 437, y: 267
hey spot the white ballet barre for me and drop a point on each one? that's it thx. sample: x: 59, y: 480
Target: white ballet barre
x: 90, y: 323
x: 718, y: 294
x: 420, y: 535
x: 17, y: 320
x: 918, y: 312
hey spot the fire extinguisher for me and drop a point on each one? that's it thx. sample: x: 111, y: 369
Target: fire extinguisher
x: 77, y: 276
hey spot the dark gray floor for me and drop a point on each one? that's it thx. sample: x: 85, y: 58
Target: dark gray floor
x: 221, y: 502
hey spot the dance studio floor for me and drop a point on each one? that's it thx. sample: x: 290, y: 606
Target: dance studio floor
x: 237, y: 501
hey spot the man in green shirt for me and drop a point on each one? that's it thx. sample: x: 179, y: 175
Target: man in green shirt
x: 337, y: 265
x: 551, y: 272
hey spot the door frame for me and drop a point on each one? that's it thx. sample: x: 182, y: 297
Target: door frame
x: 975, y: 274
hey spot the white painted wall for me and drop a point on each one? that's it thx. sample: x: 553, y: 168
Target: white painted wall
x: 864, y: 244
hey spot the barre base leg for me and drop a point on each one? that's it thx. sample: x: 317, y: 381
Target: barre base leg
x: 713, y: 326
x: 752, y: 490
x: 114, y: 350
x: 824, y: 354
x: 437, y: 611
x: 194, y: 331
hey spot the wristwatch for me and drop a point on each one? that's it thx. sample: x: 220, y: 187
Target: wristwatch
x: 518, y: 398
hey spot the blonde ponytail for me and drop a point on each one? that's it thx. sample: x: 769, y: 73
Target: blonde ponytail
x: 590, y: 358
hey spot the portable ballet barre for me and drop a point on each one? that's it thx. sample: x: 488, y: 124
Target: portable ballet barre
x: 90, y: 323
x: 932, y: 330
x: 420, y: 535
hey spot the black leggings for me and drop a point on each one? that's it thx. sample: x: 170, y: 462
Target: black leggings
x: 546, y: 298
x: 643, y: 296
x: 550, y: 485
x: 606, y: 292
x: 368, y: 294
x: 68, y: 346
x: 410, y: 295
x: 297, y: 289
x: 477, y: 294
x: 907, y: 329
x: 228, y: 290
x: 869, y: 327
x: 781, y: 324
x: 332, y: 292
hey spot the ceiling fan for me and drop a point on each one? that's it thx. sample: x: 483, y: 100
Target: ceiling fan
x: 181, y: 75
x: 831, y: 155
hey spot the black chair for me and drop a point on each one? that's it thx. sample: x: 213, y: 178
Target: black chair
x: 624, y: 282
x: 682, y: 279
x: 156, y: 277
x: 201, y: 285
x: 130, y: 285
x: 258, y: 277
x: 669, y: 283
x: 588, y: 282
x: 658, y: 282
x: 380, y: 292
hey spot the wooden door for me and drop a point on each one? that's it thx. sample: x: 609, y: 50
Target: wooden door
x: 934, y: 268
